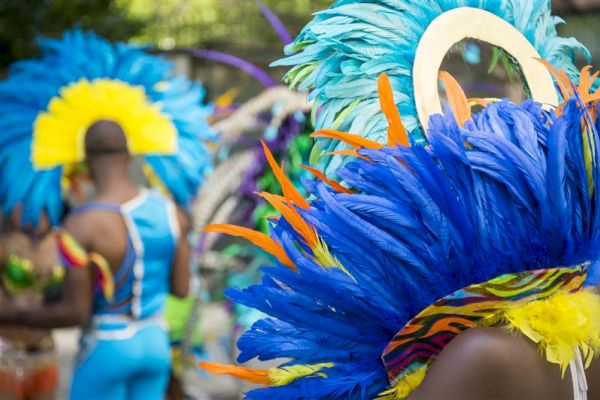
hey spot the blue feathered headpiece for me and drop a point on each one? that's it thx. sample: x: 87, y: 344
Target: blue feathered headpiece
x: 514, y: 190
x: 341, y: 52
x: 47, y: 102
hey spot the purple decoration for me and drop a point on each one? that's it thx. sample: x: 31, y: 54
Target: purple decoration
x: 275, y: 22
x: 237, y: 62
x: 288, y: 130
x: 199, y: 248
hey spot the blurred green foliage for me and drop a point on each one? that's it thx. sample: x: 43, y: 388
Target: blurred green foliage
x: 21, y: 21
x: 227, y: 25
x: 218, y: 24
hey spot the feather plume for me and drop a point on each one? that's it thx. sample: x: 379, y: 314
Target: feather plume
x: 339, y: 55
x: 32, y: 85
x: 506, y: 193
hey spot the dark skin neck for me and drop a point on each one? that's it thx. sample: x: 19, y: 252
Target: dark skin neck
x: 111, y: 178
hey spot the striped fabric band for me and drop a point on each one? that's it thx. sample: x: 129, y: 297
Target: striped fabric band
x: 419, y: 342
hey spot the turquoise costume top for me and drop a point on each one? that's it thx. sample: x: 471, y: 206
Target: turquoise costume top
x: 130, y: 324
x: 142, y: 280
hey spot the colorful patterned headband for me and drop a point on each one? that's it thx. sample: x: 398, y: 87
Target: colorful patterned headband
x: 416, y: 346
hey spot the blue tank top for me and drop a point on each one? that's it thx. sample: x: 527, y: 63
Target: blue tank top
x: 143, y: 279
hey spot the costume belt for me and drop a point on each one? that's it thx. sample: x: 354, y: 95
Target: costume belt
x: 119, y: 326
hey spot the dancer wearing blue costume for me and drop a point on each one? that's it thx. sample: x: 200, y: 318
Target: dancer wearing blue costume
x: 133, y: 236
x: 127, y: 249
x: 138, y: 232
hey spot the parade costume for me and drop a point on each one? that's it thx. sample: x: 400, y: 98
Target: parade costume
x: 28, y: 362
x: 343, y: 50
x: 130, y: 322
x: 494, y: 222
x: 49, y: 104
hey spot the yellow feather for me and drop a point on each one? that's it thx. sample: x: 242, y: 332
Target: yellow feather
x: 59, y: 133
x: 561, y: 324
x: 324, y: 256
x: 404, y: 387
x: 286, y: 375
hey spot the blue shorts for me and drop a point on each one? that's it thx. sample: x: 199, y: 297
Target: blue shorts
x: 132, y: 364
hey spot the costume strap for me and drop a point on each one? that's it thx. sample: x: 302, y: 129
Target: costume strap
x: 98, y: 206
x: 73, y: 255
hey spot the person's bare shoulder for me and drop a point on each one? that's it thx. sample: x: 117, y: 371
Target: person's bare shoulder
x: 492, y: 363
x: 100, y: 232
x: 82, y: 226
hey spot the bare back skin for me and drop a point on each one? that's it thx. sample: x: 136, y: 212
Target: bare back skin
x: 495, y: 364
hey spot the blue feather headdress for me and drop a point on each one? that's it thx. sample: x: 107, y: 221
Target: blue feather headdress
x: 341, y: 52
x: 48, y: 101
x: 511, y: 191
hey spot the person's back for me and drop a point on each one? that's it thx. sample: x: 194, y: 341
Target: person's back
x: 125, y: 351
x: 137, y: 237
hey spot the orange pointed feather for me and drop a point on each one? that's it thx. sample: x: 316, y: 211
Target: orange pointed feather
x: 585, y: 85
x: 585, y: 80
x: 321, y: 176
x: 292, y: 217
x: 350, y: 152
x: 456, y: 97
x: 258, y: 376
x: 288, y: 189
x: 259, y: 239
x: 356, y: 141
x: 396, y: 132
x: 564, y: 84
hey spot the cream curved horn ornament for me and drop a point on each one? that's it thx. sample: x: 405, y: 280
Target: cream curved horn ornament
x: 461, y: 23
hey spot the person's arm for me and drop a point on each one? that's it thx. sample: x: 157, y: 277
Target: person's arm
x: 3, y: 251
x: 180, y: 268
x: 75, y: 304
x: 73, y: 309
x: 491, y: 364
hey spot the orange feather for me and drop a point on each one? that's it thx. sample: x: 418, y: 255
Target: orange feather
x: 396, y: 132
x: 288, y: 189
x: 456, y: 97
x: 356, y: 141
x: 564, y: 84
x: 258, y: 376
x: 292, y: 217
x: 321, y: 176
x: 350, y: 152
x: 259, y: 239
x: 585, y: 85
